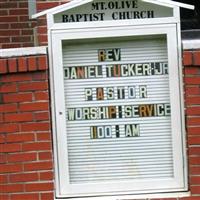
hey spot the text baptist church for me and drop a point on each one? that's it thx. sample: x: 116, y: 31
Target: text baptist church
x: 99, y: 9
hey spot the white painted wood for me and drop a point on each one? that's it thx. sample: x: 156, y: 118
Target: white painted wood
x: 171, y: 3
x: 191, y: 44
x: 73, y: 176
x: 143, y: 196
x: 182, y: 109
x: 177, y: 183
x: 25, y: 51
x: 75, y: 3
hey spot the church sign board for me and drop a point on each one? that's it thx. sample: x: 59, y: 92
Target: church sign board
x: 117, y: 102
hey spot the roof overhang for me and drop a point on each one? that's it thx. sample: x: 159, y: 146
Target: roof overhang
x: 76, y: 3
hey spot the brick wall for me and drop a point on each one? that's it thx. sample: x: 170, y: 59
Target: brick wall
x: 26, y: 167
x: 17, y: 30
x: 25, y: 137
x: 192, y: 104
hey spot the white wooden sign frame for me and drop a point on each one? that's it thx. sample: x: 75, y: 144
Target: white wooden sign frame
x: 63, y: 186
x: 59, y: 32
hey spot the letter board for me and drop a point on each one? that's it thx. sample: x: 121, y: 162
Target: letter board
x: 118, y: 111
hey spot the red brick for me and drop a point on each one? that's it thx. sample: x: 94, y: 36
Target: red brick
x: 197, y: 58
x: 194, y: 131
x: 195, y: 189
x: 3, y: 178
x: 12, y: 65
x: 3, y: 66
x: 19, y: 117
x: 21, y: 39
x: 8, y: 5
x: 41, y: 96
x: 36, y: 106
x: 42, y: 39
x: 46, y: 175
x: 187, y: 58
x: 1, y: 119
x: 163, y: 199
x: 33, y: 86
x: 22, y: 64
x: 18, y: 25
x: 4, y: 39
x: 28, y: 44
x: 189, y: 198
x: 27, y: 31
x: 47, y: 196
x: 43, y: 136
x: 10, y: 168
x: 193, y: 100
x: 194, y: 140
x: 42, y: 21
x: 42, y: 62
x: 9, y: 32
x: 192, y: 71
x: 8, y: 88
x: 32, y: 64
x: 18, y: 11
x: 42, y: 116
x: 193, y: 121
x: 9, y: 128
x: 194, y: 160
x: 11, y: 188
x: 42, y: 30
x: 4, y: 26
x: 4, y: 197
x: 8, y: 18
x: 38, y: 166
x: 46, y: 5
x: 193, y: 110
x: 45, y: 156
x: 195, y: 90
x: 2, y: 138
x: 8, y: 108
x: 4, y: 148
x: 3, y: 158
x: 194, y: 151
x: 194, y: 170
x: 4, y: 12
x: 39, y: 187
x: 31, y: 196
x: 16, y: 77
x: 40, y: 76
x: 195, y: 180
x: 22, y: 157
x: 40, y: 126
x: 20, y: 137
x: 36, y: 146
x: 20, y: 97
x: 23, y: 4
x: 23, y: 18
x: 192, y: 80
x: 11, y: 45
x: 25, y: 177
